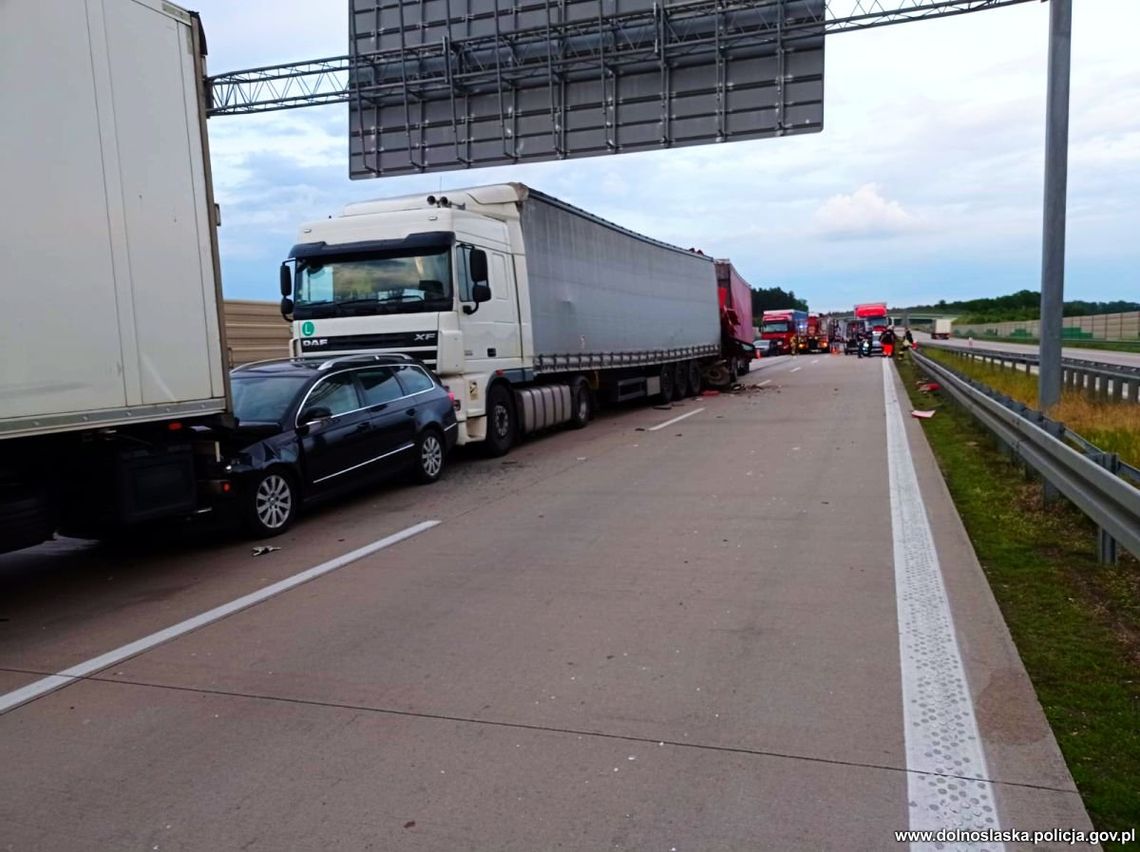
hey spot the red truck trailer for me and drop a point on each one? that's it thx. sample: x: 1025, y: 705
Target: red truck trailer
x: 783, y: 328
x: 736, y: 331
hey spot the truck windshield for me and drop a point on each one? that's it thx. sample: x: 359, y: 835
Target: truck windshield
x: 367, y: 285
x: 777, y: 326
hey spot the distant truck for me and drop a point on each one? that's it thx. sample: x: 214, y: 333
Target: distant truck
x: 784, y: 329
x: 941, y: 329
x: 815, y: 338
x: 114, y: 345
x: 874, y: 315
x: 529, y: 309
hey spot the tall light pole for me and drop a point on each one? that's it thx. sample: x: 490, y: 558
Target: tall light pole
x: 1056, y: 181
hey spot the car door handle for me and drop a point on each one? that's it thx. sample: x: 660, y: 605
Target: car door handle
x: 363, y: 427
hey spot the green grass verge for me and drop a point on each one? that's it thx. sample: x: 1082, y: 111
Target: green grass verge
x: 1114, y: 427
x: 1076, y: 623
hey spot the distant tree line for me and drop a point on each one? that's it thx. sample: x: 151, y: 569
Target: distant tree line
x: 774, y: 299
x: 1022, y: 305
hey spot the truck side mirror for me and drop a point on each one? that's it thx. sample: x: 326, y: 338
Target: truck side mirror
x: 286, y: 280
x: 477, y: 263
x: 287, y: 308
x: 481, y: 292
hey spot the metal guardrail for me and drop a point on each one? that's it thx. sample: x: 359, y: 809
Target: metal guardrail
x: 1114, y: 382
x: 1091, y: 479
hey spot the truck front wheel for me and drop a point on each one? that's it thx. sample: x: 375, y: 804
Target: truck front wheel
x: 501, y: 425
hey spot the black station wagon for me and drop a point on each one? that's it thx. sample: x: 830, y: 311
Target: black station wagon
x: 307, y: 428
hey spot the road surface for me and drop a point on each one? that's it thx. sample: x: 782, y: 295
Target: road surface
x: 752, y: 621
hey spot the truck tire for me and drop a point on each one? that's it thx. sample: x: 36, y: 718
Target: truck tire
x: 666, y: 395
x: 680, y: 380
x: 581, y: 404
x: 745, y: 366
x: 502, y: 423
x: 271, y: 503
x: 694, y: 378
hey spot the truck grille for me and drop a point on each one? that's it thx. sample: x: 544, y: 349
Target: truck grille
x: 421, y: 345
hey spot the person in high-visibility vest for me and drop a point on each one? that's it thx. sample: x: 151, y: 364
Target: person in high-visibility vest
x: 887, y: 338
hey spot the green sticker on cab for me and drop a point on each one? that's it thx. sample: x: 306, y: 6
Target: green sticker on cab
x: 308, y: 329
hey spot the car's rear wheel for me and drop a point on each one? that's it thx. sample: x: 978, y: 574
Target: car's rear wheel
x: 271, y: 503
x: 431, y: 456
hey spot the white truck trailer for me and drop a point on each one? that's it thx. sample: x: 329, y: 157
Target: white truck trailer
x: 941, y: 329
x: 529, y: 309
x: 112, y: 349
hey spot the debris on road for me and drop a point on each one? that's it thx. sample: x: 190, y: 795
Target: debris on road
x: 922, y: 415
x: 263, y: 549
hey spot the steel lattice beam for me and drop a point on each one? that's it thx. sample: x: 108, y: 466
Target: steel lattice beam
x: 324, y: 81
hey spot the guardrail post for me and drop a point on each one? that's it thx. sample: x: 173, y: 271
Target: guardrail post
x: 1107, y: 551
x: 1049, y: 492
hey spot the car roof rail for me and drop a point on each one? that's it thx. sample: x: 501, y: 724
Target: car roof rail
x: 362, y: 358
x: 259, y: 363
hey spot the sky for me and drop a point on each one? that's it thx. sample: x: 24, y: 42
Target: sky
x: 925, y: 184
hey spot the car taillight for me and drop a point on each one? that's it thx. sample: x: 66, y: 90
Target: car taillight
x: 454, y: 401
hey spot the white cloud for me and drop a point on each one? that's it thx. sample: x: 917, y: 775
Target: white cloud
x: 864, y: 214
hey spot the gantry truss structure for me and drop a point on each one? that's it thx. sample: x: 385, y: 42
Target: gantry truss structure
x: 325, y: 81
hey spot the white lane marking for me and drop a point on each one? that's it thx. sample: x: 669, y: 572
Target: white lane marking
x: 941, y: 731
x: 45, y: 685
x: 675, y: 419
x: 765, y: 382
x: 816, y: 361
x: 795, y: 369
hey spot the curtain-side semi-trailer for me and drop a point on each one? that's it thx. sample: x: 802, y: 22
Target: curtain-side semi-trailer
x: 112, y: 348
x: 527, y: 308
x: 785, y: 329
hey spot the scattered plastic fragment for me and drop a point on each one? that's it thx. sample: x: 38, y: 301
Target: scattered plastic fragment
x: 922, y: 415
x: 264, y: 549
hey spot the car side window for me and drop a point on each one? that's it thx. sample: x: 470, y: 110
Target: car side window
x: 379, y: 385
x: 414, y: 380
x: 336, y: 393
